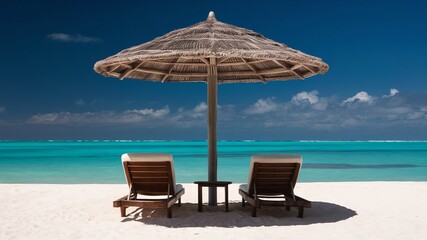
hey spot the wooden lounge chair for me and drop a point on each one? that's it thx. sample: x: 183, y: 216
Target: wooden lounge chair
x: 272, y: 179
x: 151, y: 181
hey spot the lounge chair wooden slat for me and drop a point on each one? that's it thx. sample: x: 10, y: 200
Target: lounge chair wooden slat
x: 148, y: 180
x: 147, y: 168
x: 147, y: 164
x: 272, y: 181
x: 275, y: 175
x: 281, y: 166
x: 149, y: 176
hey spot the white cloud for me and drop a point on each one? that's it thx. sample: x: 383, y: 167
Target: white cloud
x: 393, y: 92
x: 201, y: 107
x: 148, y: 112
x: 199, y: 111
x: 332, y: 113
x: 2, y: 109
x: 321, y: 105
x: 63, y: 37
x: 325, y: 114
x: 420, y: 114
x: 302, y: 97
x: 361, y: 97
x: 310, y: 98
x: 262, y: 106
x: 61, y: 117
x: 415, y: 116
x: 148, y: 117
x: 109, y: 117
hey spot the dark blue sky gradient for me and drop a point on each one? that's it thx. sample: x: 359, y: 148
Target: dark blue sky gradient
x: 370, y: 46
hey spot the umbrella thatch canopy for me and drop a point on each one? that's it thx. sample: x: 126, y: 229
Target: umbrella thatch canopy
x: 212, y: 52
x: 183, y: 56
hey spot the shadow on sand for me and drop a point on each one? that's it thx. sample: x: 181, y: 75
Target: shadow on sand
x: 187, y: 216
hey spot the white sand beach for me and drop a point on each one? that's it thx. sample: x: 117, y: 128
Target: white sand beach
x: 362, y: 210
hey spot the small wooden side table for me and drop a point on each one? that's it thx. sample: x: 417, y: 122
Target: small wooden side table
x: 202, y: 184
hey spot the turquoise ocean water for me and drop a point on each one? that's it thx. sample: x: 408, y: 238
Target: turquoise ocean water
x: 99, y: 161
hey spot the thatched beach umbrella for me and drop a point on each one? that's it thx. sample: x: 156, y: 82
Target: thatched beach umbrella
x: 211, y: 52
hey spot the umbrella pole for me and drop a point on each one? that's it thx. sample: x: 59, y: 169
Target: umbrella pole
x: 212, y: 123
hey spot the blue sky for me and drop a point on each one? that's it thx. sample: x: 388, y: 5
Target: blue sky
x: 376, y: 87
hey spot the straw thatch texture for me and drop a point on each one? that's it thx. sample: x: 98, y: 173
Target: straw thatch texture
x: 183, y: 55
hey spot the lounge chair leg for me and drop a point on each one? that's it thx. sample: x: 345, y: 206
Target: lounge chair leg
x: 170, y: 212
x: 253, y: 211
x: 179, y: 202
x: 288, y: 208
x: 123, y: 211
x: 300, y: 212
x: 243, y: 202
